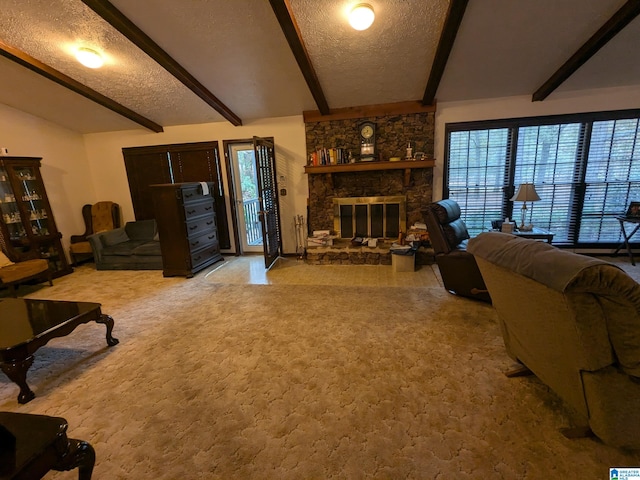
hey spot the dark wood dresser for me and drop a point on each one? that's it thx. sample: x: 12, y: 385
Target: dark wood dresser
x: 186, y: 221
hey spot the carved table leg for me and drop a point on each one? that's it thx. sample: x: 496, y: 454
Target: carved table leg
x: 78, y: 454
x: 17, y: 373
x: 108, y: 321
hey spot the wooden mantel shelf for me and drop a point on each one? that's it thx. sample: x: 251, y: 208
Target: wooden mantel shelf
x: 406, y: 165
x: 370, y: 166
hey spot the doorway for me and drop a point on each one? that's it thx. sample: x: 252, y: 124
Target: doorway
x: 244, y: 175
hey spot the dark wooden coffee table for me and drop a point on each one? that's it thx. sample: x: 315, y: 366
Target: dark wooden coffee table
x: 34, y: 444
x: 28, y: 324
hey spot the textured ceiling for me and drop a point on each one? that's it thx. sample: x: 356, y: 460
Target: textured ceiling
x: 237, y: 50
x: 506, y: 48
x: 389, y: 62
x: 56, y: 27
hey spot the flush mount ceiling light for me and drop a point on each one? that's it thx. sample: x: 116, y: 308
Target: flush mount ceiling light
x: 361, y: 16
x: 89, y: 58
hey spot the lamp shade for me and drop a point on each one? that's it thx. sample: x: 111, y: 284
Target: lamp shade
x: 526, y: 193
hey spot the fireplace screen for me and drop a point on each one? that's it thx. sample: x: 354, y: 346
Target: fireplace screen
x: 373, y: 217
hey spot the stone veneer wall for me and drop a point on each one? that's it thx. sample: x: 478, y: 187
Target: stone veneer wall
x: 392, y: 135
x: 368, y: 184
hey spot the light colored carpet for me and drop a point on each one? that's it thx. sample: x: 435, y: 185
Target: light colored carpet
x: 220, y: 379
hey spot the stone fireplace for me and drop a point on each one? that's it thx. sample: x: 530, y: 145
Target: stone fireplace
x: 377, y: 184
x: 394, y: 132
x: 342, y: 189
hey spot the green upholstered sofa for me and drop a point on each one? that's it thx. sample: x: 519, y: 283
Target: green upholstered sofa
x: 132, y: 247
x: 574, y: 321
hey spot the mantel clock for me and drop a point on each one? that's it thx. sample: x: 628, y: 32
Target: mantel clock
x: 367, y: 141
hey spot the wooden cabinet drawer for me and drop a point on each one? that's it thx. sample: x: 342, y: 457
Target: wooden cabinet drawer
x: 198, y: 209
x: 201, y: 241
x: 200, y: 226
x: 202, y: 256
x: 193, y: 193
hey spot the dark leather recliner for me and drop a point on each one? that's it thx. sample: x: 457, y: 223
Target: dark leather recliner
x: 448, y: 235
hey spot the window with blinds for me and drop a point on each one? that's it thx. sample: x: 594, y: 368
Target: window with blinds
x: 612, y: 178
x: 477, y: 174
x: 547, y: 156
x: 585, y: 168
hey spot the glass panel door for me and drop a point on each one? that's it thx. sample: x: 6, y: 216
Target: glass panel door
x: 9, y: 209
x: 268, y: 194
x: 245, y: 181
x: 32, y: 198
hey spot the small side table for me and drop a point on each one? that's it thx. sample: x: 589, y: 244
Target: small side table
x: 40, y: 444
x: 622, y: 221
x: 535, y: 234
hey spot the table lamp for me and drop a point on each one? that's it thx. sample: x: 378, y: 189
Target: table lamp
x: 526, y: 193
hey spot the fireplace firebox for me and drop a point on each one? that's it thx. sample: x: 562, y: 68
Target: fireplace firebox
x: 372, y: 217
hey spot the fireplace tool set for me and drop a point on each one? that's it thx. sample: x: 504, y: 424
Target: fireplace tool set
x: 300, y: 235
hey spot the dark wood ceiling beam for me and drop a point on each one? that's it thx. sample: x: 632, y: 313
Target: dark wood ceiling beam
x: 283, y: 12
x: 127, y: 28
x: 368, y: 111
x: 445, y: 44
x: 60, y: 78
x: 610, y: 29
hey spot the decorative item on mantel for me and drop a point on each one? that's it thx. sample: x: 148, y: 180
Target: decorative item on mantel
x: 330, y: 156
x: 367, y: 141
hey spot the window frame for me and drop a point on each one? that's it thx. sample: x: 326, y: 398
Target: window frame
x: 513, y: 125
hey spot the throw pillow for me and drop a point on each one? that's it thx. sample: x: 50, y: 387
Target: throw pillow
x: 156, y: 237
x: 4, y: 260
x: 114, y: 237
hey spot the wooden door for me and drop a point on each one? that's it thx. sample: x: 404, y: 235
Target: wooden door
x: 268, y: 193
x: 145, y: 168
x: 177, y: 163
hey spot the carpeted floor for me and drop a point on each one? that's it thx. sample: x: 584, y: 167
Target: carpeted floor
x: 218, y: 379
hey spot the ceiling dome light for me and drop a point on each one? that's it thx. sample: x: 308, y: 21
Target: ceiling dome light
x: 361, y: 16
x: 89, y: 58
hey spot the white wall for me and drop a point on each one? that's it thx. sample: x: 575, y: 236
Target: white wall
x: 81, y: 169
x: 515, y: 107
x: 65, y: 169
x: 104, y: 153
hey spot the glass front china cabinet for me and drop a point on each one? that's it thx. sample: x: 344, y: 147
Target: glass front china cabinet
x: 26, y: 222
